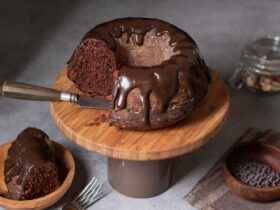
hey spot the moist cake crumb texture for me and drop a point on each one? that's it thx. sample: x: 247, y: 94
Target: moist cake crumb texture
x: 152, y: 70
x: 30, y: 169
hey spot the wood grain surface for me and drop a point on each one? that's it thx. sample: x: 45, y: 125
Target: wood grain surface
x: 191, y: 133
x: 39, y: 203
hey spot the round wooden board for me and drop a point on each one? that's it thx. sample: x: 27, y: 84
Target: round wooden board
x: 110, y: 141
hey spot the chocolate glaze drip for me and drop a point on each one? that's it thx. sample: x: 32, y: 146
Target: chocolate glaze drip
x: 29, y: 149
x: 162, y: 80
x: 147, y: 81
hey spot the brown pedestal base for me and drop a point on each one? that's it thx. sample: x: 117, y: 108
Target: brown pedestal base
x: 140, y: 179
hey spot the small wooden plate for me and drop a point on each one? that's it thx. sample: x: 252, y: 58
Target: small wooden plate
x: 68, y: 162
x: 260, y: 152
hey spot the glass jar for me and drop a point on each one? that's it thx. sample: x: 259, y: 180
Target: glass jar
x: 260, y: 66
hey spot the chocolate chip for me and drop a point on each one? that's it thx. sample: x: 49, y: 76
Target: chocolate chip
x: 254, y: 173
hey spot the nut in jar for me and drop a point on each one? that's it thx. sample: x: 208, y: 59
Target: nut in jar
x: 260, y: 66
x: 264, y: 83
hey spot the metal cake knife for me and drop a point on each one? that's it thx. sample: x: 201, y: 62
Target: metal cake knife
x: 36, y: 93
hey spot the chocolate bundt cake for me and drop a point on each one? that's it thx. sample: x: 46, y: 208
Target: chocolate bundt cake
x: 152, y: 69
x: 30, y: 169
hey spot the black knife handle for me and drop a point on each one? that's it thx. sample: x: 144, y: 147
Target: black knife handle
x: 34, y: 93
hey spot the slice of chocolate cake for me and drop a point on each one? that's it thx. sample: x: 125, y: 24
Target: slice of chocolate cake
x: 30, y: 168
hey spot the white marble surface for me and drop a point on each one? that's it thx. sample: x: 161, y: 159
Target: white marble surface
x: 37, y: 38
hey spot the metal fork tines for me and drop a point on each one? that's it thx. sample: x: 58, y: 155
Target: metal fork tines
x: 94, y: 191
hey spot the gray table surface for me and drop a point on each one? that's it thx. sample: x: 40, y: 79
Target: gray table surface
x: 37, y: 38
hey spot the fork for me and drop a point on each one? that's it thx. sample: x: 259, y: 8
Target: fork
x: 94, y: 191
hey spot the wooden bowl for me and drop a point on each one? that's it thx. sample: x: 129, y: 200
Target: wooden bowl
x: 262, y: 153
x: 67, y: 161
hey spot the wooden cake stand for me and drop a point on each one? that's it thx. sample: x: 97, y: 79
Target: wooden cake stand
x: 139, y: 162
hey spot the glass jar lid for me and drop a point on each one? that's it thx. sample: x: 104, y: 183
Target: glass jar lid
x: 263, y: 54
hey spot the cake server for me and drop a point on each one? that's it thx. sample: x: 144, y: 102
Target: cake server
x: 36, y: 93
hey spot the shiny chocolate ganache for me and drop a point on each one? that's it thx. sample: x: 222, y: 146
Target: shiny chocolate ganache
x: 30, y: 168
x: 163, y: 80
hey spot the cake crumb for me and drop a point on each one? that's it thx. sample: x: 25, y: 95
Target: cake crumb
x: 98, y: 120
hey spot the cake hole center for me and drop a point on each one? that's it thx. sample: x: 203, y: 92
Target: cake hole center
x: 154, y: 50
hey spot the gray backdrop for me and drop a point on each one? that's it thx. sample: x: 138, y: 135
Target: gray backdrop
x: 38, y: 37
